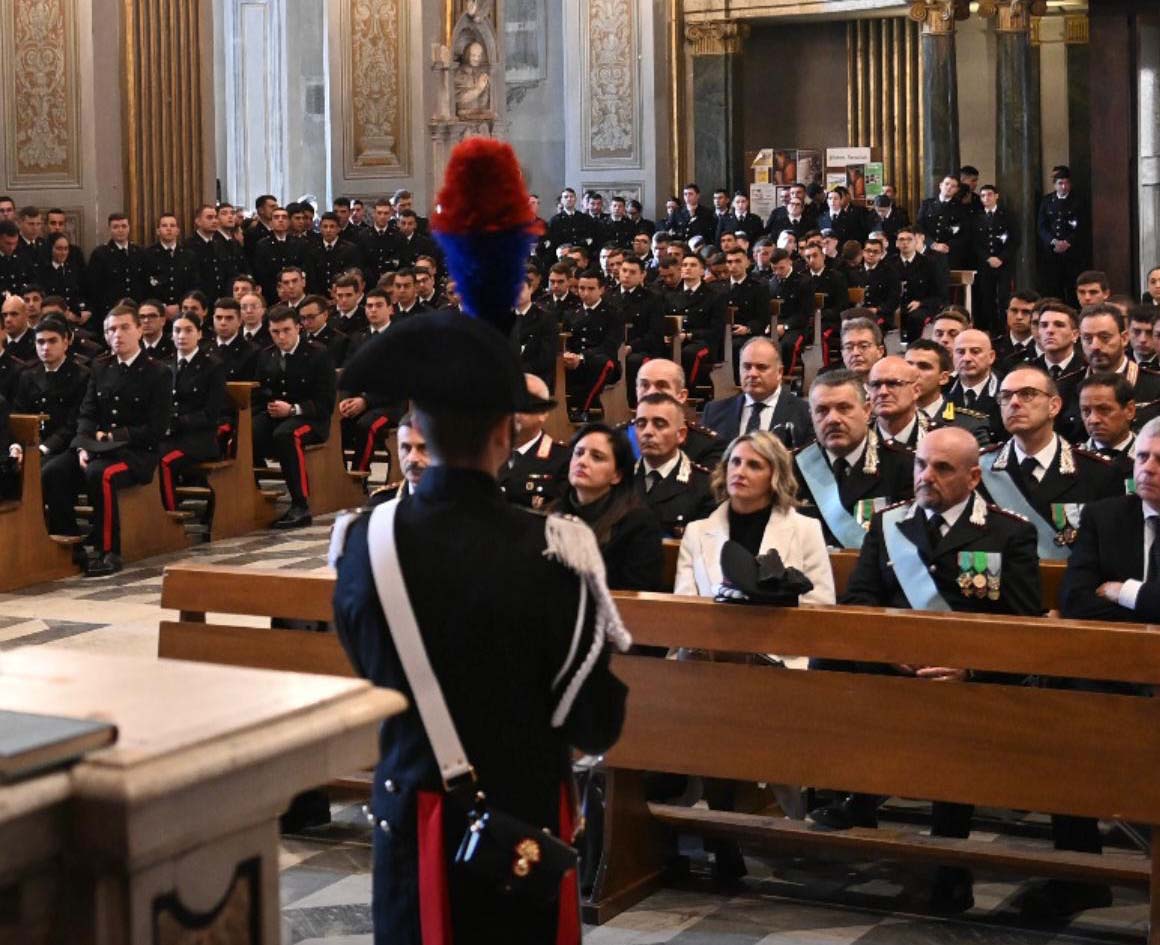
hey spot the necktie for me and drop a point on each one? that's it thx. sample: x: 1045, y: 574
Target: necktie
x: 970, y: 398
x: 124, y: 368
x: 841, y: 468
x: 249, y: 336
x: 181, y: 363
x: 934, y: 524
x: 1112, y: 452
x: 651, y: 480
x: 1028, y: 466
x: 1153, y: 523
x: 754, y: 422
x: 1055, y: 371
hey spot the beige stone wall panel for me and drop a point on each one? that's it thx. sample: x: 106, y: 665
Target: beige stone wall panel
x: 611, y: 99
x: 376, y: 117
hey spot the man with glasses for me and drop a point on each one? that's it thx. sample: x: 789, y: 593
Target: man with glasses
x: 1037, y: 473
x: 314, y: 313
x: 893, y: 388
x: 1018, y: 345
x: 862, y: 343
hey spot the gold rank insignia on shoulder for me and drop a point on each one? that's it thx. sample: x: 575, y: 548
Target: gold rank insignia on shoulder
x: 1065, y: 517
x: 948, y: 413
x: 979, y: 573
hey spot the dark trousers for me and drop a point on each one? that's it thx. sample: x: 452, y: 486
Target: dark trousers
x: 989, y: 298
x: 286, y: 441
x: 1058, y: 272
x: 179, y: 460
x: 792, y: 343
x: 366, y: 432
x: 62, y: 479
x: 587, y: 380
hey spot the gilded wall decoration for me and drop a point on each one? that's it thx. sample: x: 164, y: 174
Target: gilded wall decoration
x: 40, y: 92
x: 376, y: 106
x: 612, y: 86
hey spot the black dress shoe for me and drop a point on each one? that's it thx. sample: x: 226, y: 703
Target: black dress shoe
x: 308, y: 809
x: 297, y: 516
x: 728, y: 863
x: 952, y: 892
x: 1057, y: 900
x: 104, y: 565
x: 854, y: 810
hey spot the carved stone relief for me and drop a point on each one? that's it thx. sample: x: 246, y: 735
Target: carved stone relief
x: 40, y: 92
x: 376, y: 106
x: 611, y: 85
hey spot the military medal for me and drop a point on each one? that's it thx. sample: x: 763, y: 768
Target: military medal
x: 865, y: 509
x: 1065, y: 517
x: 966, y: 575
x: 994, y: 564
x: 1130, y: 486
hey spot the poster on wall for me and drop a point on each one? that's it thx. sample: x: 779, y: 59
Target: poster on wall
x: 856, y: 181
x: 843, y: 157
x: 875, y: 179
x: 835, y: 179
x: 785, y: 166
x: 763, y: 199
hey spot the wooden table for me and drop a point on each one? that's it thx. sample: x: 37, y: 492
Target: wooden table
x: 170, y: 836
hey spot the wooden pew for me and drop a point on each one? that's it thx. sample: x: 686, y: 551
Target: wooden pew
x: 147, y: 529
x: 614, y: 397
x: 724, y: 384
x: 961, y: 282
x: 1002, y: 746
x: 857, y: 295
x: 558, y: 425
x: 27, y: 554
x: 333, y: 487
x: 240, y: 507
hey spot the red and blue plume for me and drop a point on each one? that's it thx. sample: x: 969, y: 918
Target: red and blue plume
x: 484, y: 223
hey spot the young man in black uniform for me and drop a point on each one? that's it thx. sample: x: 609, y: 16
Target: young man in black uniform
x: 318, y: 328
x: 994, y: 240
x: 568, y: 226
x: 292, y: 407
x: 693, y: 218
x: 947, y: 516
x: 53, y: 388
x: 883, y: 290
x: 366, y: 417
x: 535, y: 336
x: 216, y: 261
x: 156, y: 340
x: 379, y: 242
x: 199, y: 400
x: 674, y: 487
x: 124, y: 415
x: 276, y: 252
x: 536, y: 474
x: 327, y: 260
x: 702, y: 311
x: 116, y: 270
x: 827, y: 280
x: 1017, y: 344
x: 592, y: 356
x: 229, y: 344
x: 643, y: 314
x: 1063, y: 236
x: 947, y: 224
x: 841, y: 476
x: 795, y: 316
x: 921, y: 286
x: 170, y: 269
x: 749, y: 300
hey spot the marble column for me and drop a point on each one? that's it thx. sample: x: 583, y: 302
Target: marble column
x: 1079, y: 112
x: 1017, y: 131
x: 940, y: 97
x: 718, y: 155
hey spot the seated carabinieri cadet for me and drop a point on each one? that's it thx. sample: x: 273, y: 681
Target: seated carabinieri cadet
x: 933, y: 363
x: 292, y: 407
x: 54, y: 388
x: 947, y: 550
x: 848, y: 473
x: 366, y: 418
x: 1037, y: 473
x: 124, y: 415
x: 536, y: 474
x: 524, y: 675
x: 1108, y: 411
x: 591, y: 356
x: 675, y: 488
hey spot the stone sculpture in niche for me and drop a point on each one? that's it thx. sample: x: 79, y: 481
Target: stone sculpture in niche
x: 473, y: 83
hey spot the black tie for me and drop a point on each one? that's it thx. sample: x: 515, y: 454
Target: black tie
x: 1112, y: 452
x: 754, y: 422
x: 651, y: 480
x: 1027, y: 466
x: 934, y: 524
x: 124, y: 368
x: 181, y: 363
x: 841, y: 468
x: 1153, y: 523
x: 971, y: 397
x: 1055, y: 371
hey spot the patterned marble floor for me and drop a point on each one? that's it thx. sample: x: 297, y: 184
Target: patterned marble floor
x: 326, y: 872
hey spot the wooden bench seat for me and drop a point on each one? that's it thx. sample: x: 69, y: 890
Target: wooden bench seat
x: 333, y: 487
x: 1014, y: 747
x: 27, y: 554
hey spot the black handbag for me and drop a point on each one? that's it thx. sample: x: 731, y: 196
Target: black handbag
x: 511, y: 855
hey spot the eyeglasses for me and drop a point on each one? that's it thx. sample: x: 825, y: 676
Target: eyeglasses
x: 891, y: 383
x: 1023, y: 395
x: 858, y: 346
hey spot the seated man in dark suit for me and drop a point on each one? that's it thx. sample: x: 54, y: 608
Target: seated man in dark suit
x: 764, y: 402
x: 849, y: 473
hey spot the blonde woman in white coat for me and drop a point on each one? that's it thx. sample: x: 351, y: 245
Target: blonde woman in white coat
x: 758, y: 493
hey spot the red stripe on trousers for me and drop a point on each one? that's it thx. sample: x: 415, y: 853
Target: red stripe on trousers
x: 434, y: 896
x: 304, y: 481
x: 107, y: 505
x: 364, y: 462
x: 693, y: 374
x: 797, y: 347
x: 167, y: 495
x: 568, y: 917
x: 599, y: 384
x: 826, y: 346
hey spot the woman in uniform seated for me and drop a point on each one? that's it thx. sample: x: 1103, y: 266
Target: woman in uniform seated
x: 601, y: 492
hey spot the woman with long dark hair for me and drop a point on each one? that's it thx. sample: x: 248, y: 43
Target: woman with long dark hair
x: 601, y: 493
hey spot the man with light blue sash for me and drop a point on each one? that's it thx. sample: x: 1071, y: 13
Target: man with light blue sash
x: 849, y: 473
x: 1037, y: 473
x: 948, y: 550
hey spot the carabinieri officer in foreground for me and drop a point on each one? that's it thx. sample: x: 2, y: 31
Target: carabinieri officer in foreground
x: 510, y: 605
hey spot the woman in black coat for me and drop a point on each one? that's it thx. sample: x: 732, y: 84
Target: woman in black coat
x: 601, y: 493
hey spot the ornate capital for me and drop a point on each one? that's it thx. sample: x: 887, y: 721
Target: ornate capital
x: 938, y: 16
x: 717, y: 38
x: 1014, y: 16
x: 1075, y: 29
